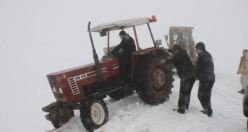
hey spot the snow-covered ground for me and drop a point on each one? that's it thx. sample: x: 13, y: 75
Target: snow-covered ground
x: 40, y: 37
x: 133, y: 115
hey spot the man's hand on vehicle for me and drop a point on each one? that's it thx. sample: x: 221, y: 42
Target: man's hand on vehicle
x: 170, y: 51
x: 162, y: 61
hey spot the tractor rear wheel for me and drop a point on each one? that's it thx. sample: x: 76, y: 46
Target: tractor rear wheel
x: 153, y: 80
x: 93, y: 113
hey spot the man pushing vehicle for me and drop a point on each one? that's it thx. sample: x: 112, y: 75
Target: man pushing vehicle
x: 186, y: 73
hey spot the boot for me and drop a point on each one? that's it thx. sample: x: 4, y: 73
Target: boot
x: 181, y: 111
x: 203, y: 112
x: 207, y: 113
x: 210, y: 113
x: 242, y: 91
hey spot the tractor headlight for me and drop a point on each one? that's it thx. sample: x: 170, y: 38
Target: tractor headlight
x: 54, y: 89
x: 60, y: 90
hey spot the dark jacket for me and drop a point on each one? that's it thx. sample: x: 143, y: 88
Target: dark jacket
x: 127, y: 45
x: 185, y: 68
x: 205, y: 67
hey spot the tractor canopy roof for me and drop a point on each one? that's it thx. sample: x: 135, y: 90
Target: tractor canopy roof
x: 117, y: 25
x: 181, y: 28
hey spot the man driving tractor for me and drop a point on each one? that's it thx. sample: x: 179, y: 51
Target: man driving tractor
x: 128, y: 46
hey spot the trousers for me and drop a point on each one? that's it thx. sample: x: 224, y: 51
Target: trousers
x: 186, y: 85
x: 244, y: 81
x: 204, y: 95
x: 125, y: 68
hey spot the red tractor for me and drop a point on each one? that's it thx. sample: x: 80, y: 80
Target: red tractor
x: 86, y: 86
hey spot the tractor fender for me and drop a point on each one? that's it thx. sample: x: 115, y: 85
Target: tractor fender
x: 160, y: 51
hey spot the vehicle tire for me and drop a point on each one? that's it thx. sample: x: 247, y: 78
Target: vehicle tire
x: 93, y: 113
x: 122, y: 93
x: 153, y: 80
x: 57, y: 124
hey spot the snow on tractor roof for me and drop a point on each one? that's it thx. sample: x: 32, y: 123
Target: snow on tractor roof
x: 117, y: 25
x: 181, y: 28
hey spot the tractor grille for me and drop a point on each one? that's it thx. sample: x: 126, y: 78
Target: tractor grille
x: 58, y: 95
x: 73, y: 85
x: 53, y: 80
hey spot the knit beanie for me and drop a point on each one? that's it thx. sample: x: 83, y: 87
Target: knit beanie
x: 200, y: 46
x: 122, y: 33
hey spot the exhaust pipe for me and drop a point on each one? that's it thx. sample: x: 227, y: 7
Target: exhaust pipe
x: 95, y: 56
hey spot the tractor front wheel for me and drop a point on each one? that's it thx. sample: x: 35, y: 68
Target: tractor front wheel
x: 93, y: 113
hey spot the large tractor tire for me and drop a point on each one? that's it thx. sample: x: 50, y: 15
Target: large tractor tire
x: 93, y: 113
x: 153, y: 80
x: 122, y: 93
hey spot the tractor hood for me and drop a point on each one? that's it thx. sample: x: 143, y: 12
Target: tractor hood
x: 67, y: 85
